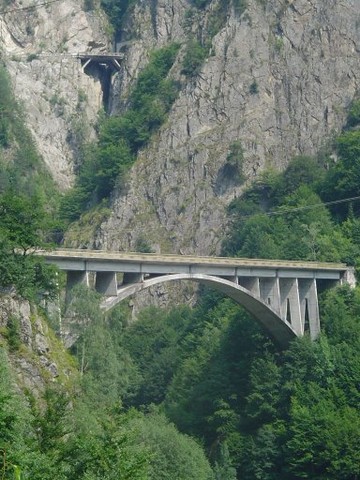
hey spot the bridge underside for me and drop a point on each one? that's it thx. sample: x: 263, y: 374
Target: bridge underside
x: 285, y: 307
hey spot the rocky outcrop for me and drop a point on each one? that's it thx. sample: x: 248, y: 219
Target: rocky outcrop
x: 61, y: 102
x: 278, y: 80
x: 36, y: 356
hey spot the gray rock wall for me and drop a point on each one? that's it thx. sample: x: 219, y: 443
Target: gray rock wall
x: 279, y: 80
x: 33, y: 357
x: 61, y: 103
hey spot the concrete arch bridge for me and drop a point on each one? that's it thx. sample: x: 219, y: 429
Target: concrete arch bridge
x: 281, y: 295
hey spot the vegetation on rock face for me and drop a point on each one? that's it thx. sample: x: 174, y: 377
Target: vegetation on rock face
x: 121, y: 137
x: 25, y: 224
x: 117, y: 11
x: 195, y: 55
x: 21, y: 167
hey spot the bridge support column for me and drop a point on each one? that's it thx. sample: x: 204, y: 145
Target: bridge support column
x: 290, y: 303
x: 270, y: 292
x: 309, y: 306
x: 106, y: 283
x: 75, y: 277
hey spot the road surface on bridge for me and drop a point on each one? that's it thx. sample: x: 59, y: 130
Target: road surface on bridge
x: 170, y: 259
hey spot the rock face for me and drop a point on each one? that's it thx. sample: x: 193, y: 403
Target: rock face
x: 278, y: 80
x: 61, y: 102
x: 31, y: 347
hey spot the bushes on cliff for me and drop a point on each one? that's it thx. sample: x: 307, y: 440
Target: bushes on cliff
x: 195, y: 55
x: 21, y: 167
x: 121, y: 137
x: 116, y: 10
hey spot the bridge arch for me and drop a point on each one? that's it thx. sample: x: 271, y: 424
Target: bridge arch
x: 278, y: 328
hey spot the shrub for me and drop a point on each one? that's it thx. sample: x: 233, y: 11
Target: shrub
x: 354, y: 114
x: 254, y: 88
x: 194, y: 57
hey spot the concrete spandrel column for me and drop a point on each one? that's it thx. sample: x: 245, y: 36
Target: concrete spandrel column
x: 270, y: 292
x: 309, y: 300
x: 289, y: 295
x: 250, y: 283
x: 106, y: 283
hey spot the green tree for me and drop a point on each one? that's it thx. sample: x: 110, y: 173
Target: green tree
x: 14, y: 421
x: 106, y: 448
x: 223, y: 469
x: 106, y: 378
x: 23, y: 227
x: 172, y: 454
x: 323, y: 441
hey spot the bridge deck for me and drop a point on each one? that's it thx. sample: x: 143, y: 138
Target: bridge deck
x: 100, y: 56
x: 112, y: 61
x: 169, y: 259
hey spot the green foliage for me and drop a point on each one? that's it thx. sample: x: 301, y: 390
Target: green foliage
x: 216, y: 19
x: 211, y: 383
x: 14, y: 420
x: 342, y: 178
x: 142, y: 245
x: 120, y: 138
x: 153, y: 343
x: 233, y: 167
x: 172, y: 455
x: 254, y: 88
x: 7, y: 106
x: 323, y: 440
x: 106, y: 379
x: 21, y: 167
x: 194, y: 57
x: 293, y: 229
x: 110, y: 452
x: 353, y: 119
x: 200, y: 3
x: 223, y: 469
x: 13, y: 333
x: 117, y: 10
x: 23, y: 228
x: 51, y: 424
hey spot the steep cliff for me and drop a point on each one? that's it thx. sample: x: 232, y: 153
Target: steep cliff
x: 39, y: 46
x: 276, y: 83
x: 36, y: 356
